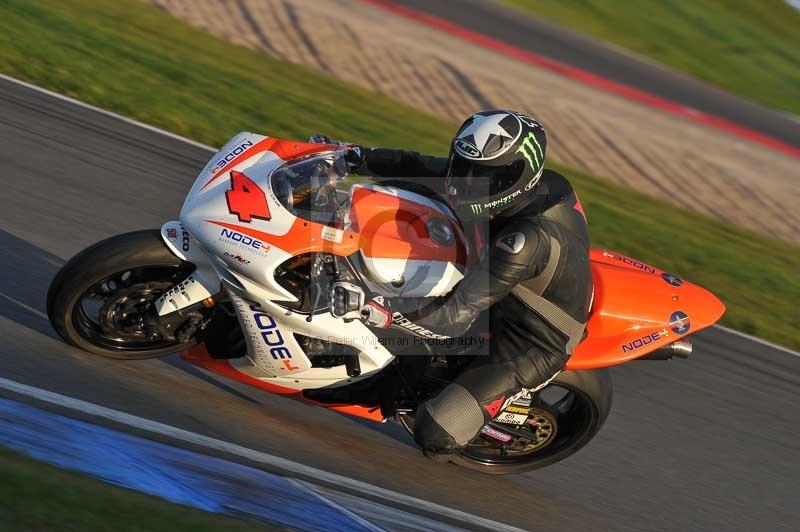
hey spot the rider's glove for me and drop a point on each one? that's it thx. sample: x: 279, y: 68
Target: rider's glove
x: 321, y: 139
x: 376, y: 315
x: 354, y: 157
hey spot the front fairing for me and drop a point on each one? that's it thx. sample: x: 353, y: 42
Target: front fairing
x: 263, y: 205
x: 315, y: 204
x: 248, y: 249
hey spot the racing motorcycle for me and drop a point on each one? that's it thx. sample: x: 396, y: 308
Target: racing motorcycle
x: 279, y: 245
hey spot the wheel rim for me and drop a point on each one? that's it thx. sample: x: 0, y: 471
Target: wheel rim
x: 562, y: 417
x: 110, y: 313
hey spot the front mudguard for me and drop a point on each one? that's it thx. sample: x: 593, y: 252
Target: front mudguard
x: 203, y: 282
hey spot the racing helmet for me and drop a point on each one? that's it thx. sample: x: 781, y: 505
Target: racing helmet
x: 496, y: 159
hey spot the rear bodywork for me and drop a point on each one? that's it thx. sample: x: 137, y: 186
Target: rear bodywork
x: 638, y: 309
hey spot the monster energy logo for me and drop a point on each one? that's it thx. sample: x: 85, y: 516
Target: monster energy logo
x: 477, y: 208
x: 502, y: 201
x: 532, y: 151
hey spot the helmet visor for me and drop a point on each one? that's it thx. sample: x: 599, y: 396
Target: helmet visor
x: 472, y: 180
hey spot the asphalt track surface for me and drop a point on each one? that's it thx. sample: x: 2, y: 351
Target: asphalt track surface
x: 705, y: 444
x: 558, y: 43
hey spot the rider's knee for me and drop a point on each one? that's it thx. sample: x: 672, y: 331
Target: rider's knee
x: 449, y: 421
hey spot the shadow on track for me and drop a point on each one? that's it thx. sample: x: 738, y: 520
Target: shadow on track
x: 390, y: 429
x: 176, y: 362
x: 27, y: 272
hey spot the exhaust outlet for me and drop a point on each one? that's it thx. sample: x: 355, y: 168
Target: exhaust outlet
x: 679, y: 349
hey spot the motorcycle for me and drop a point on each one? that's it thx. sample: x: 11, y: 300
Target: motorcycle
x: 278, y: 246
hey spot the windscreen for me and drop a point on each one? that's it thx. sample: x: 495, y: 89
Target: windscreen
x: 316, y: 188
x: 308, y: 187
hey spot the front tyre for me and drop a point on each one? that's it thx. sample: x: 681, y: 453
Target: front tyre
x: 102, y: 300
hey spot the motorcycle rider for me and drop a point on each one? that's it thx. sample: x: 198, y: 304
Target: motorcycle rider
x: 529, y: 234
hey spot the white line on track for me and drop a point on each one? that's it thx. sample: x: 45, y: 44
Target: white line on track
x: 23, y: 305
x: 758, y: 340
x: 383, y: 515
x: 175, y: 136
x: 154, y: 427
x: 352, y: 515
x: 96, y: 109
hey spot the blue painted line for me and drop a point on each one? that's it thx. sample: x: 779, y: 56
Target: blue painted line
x: 178, y: 475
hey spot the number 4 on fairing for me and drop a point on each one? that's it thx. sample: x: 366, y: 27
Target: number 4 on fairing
x: 245, y: 199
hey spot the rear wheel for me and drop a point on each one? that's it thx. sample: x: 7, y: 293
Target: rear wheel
x: 564, y: 417
x: 102, y: 299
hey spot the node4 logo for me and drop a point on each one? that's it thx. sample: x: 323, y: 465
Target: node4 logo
x: 273, y: 338
x: 644, y: 340
x: 237, y: 239
x: 221, y: 163
x: 532, y: 151
x: 679, y: 322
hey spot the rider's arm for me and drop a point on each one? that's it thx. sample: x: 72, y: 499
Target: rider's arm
x: 399, y: 163
x: 387, y: 162
x: 493, y: 280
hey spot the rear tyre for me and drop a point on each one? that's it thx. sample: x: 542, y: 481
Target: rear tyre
x: 99, y: 300
x: 568, y: 413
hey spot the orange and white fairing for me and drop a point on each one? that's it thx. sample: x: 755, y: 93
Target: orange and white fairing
x: 261, y: 201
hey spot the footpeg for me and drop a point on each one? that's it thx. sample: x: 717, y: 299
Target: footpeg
x: 353, y: 365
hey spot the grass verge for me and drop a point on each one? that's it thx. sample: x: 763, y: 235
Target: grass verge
x: 38, y: 496
x: 136, y: 60
x: 749, y: 47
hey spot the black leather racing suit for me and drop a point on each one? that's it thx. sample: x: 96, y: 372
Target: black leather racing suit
x: 534, y: 280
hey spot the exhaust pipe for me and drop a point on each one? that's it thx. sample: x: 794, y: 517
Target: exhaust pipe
x: 680, y: 349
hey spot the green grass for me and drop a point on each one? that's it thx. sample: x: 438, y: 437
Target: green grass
x: 749, y: 47
x: 37, y: 496
x: 136, y: 60
x: 140, y: 62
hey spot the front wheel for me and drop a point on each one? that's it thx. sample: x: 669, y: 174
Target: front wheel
x: 564, y: 417
x: 101, y: 301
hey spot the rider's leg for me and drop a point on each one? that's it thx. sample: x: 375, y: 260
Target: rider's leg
x: 449, y: 421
